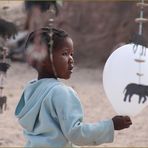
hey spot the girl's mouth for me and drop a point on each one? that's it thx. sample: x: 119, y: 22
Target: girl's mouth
x: 71, y: 68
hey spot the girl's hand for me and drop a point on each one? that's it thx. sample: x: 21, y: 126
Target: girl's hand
x: 121, y: 122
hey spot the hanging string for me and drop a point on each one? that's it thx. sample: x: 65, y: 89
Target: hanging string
x: 4, y: 65
x: 3, y: 69
x: 140, y: 38
x: 141, y: 20
x: 141, y: 23
x: 141, y: 17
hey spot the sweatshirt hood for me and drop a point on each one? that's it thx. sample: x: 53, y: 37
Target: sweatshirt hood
x: 28, y: 108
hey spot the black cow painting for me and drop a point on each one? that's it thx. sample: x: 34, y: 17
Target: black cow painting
x: 136, y: 89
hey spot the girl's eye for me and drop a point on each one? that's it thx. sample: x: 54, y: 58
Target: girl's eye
x: 65, y: 53
x: 71, y: 54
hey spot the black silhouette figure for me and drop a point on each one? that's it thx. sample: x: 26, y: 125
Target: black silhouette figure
x: 3, y: 103
x: 139, y: 40
x: 136, y: 89
x: 4, y: 66
x: 7, y: 29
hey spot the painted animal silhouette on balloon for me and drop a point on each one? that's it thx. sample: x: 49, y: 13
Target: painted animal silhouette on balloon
x: 136, y: 89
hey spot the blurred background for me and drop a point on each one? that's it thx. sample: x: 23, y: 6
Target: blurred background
x: 97, y: 29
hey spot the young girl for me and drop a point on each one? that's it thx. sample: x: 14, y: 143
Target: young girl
x: 49, y: 111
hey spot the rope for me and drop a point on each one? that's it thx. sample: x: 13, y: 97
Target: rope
x: 141, y: 20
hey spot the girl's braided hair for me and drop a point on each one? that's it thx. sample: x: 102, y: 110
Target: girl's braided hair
x: 44, y: 33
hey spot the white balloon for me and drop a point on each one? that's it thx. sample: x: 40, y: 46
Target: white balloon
x: 120, y: 71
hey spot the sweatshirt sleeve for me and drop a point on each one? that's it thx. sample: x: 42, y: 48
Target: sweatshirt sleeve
x: 70, y: 116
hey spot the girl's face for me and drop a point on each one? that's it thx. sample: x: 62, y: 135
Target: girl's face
x: 63, y: 59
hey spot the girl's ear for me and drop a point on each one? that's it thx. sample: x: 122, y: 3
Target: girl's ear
x: 46, y: 63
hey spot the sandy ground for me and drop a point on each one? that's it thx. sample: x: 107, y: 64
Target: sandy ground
x: 88, y: 84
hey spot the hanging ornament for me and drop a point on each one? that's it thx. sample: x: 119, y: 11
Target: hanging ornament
x: 4, y: 65
x: 125, y: 74
x: 7, y: 29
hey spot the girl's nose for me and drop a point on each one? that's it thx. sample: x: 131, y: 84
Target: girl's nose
x: 71, y: 59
